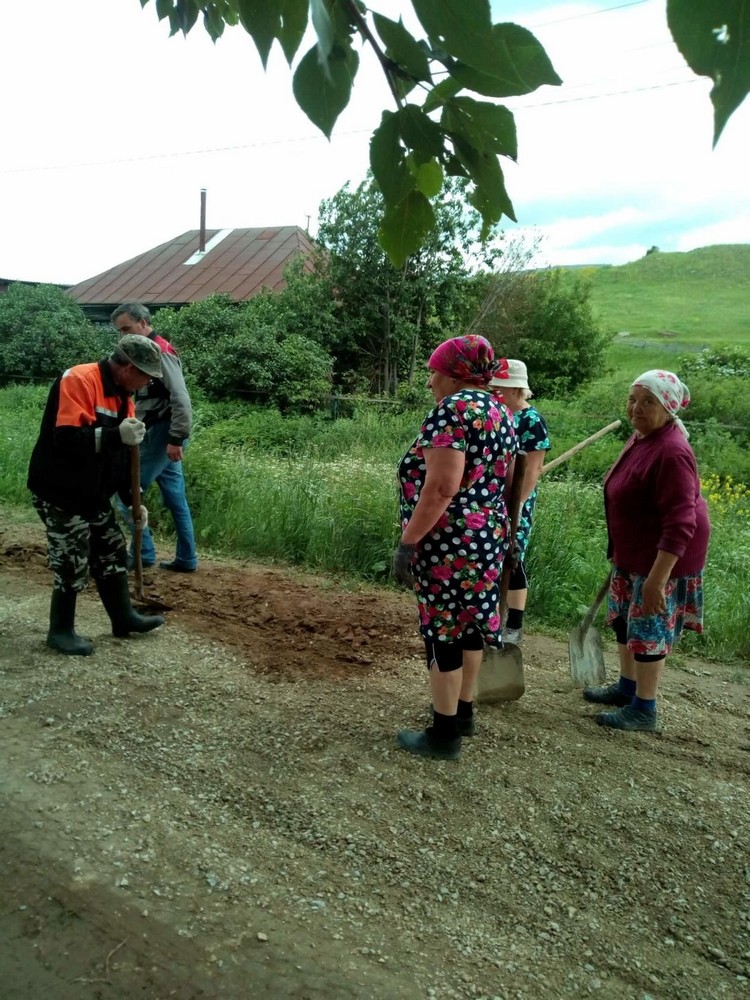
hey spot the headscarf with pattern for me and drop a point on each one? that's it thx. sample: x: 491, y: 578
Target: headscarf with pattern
x: 672, y: 393
x: 469, y: 359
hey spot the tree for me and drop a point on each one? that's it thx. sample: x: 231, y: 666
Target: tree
x: 545, y: 319
x: 43, y: 331
x: 389, y: 317
x: 437, y: 130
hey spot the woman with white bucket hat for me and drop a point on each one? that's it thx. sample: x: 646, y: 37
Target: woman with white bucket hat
x: 533, y: 441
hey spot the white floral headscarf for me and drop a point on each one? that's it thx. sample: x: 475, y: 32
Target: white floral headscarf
x: 673, y: 394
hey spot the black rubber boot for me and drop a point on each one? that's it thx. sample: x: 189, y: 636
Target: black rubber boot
x: 115, y: 596
x: 62, y: 635
x: 424, y: 743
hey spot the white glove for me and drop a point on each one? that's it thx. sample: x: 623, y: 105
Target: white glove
x: 142, y: 522
x: 132, y: 431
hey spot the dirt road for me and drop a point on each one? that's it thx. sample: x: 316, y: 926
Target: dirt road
x: 219, y: 809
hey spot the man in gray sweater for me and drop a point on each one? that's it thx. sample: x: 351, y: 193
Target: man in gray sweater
x: 164, y: 407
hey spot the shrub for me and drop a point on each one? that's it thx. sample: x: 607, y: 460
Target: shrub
x: 304, y: 374
x: 43, y: 331
x: 243, y: 349
x: 720, y: 360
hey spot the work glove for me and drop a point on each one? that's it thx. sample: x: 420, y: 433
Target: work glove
x: 132, y: 431
x: 403, y: 560
x: 142, y: 521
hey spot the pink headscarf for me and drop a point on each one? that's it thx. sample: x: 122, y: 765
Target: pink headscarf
x: 673, y: 394
x: 469, y: 359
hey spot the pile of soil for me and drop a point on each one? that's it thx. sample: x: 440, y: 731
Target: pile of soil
x: 219, y: 809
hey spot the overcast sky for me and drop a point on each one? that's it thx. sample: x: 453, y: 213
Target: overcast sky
x: 111, y: 128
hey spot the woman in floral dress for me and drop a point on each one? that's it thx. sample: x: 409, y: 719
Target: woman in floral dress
x: 455, y: 530
x: 658, y: 529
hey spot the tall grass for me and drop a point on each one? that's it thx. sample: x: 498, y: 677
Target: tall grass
x: 20, y: 413
x: 338, y: 515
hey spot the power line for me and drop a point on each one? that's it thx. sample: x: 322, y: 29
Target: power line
x: 590, y: 13
x: 316, y: 138
x: 165, y: 156
x: 611, y: 93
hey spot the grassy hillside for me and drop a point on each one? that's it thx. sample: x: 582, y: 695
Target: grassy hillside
x: 690, y: 299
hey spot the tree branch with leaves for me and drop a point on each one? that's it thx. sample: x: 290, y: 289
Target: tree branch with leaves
x: 443, y: 125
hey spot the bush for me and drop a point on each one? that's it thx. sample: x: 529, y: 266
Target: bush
x: 718, y: 451
x: 43, y: 331
x: 244, y: 349
x: 304, y: 374
x: 721, y: 360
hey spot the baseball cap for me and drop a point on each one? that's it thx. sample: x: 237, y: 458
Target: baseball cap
x: 141, y: 352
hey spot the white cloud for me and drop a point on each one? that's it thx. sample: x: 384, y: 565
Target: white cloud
x: 734, y: 230
x: 593, y: 253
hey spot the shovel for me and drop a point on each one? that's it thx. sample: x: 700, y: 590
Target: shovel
x: 580, y: 446
x: 146, y: 603
x: 501, y: 677
x: 585, y: 645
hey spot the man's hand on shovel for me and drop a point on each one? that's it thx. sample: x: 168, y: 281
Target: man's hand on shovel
x: 132, y: 431
x: 141, y: 522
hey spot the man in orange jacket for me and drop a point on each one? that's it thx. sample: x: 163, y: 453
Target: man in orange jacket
x: 79, y: 461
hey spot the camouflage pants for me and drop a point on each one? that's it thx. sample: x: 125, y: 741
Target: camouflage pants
x: 77, y: 546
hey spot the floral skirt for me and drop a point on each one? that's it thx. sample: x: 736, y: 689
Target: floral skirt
x: 656, y: 634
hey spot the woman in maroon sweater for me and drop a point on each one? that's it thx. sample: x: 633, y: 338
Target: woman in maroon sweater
x: 658, y: 529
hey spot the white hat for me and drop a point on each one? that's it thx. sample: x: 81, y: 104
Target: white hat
x: 517, y: 377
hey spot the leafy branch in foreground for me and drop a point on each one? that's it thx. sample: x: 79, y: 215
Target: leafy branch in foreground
x: 438, y: 129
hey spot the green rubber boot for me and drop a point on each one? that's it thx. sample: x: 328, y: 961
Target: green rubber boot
x: 115, y: 596
x: 62, y: 635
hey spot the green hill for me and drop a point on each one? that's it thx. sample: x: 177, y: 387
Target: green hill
x: 697, y: 298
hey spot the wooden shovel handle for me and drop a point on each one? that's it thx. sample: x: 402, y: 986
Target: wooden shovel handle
x: 135, y: 499
x: 592, y: 612
x: 514, y: 509
x: 579, y: 447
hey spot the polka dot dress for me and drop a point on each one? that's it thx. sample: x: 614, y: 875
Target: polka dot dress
x: 458, y: 564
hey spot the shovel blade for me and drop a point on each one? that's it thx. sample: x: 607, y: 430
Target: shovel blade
x: 586, y: 657
x: 501, y: 677
x: 151, y: 606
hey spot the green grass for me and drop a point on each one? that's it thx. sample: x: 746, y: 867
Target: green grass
x: 699, y: 297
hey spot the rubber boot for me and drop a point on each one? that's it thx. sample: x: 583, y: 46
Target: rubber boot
x: 115, y: 596
x: 62, y: 635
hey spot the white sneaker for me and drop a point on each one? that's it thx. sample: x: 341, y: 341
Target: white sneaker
x: 514, y: 636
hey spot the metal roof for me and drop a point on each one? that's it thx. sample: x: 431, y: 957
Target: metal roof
x: 236, y: 262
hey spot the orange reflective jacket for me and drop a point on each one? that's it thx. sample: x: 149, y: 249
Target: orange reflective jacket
x: 79, y: 460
